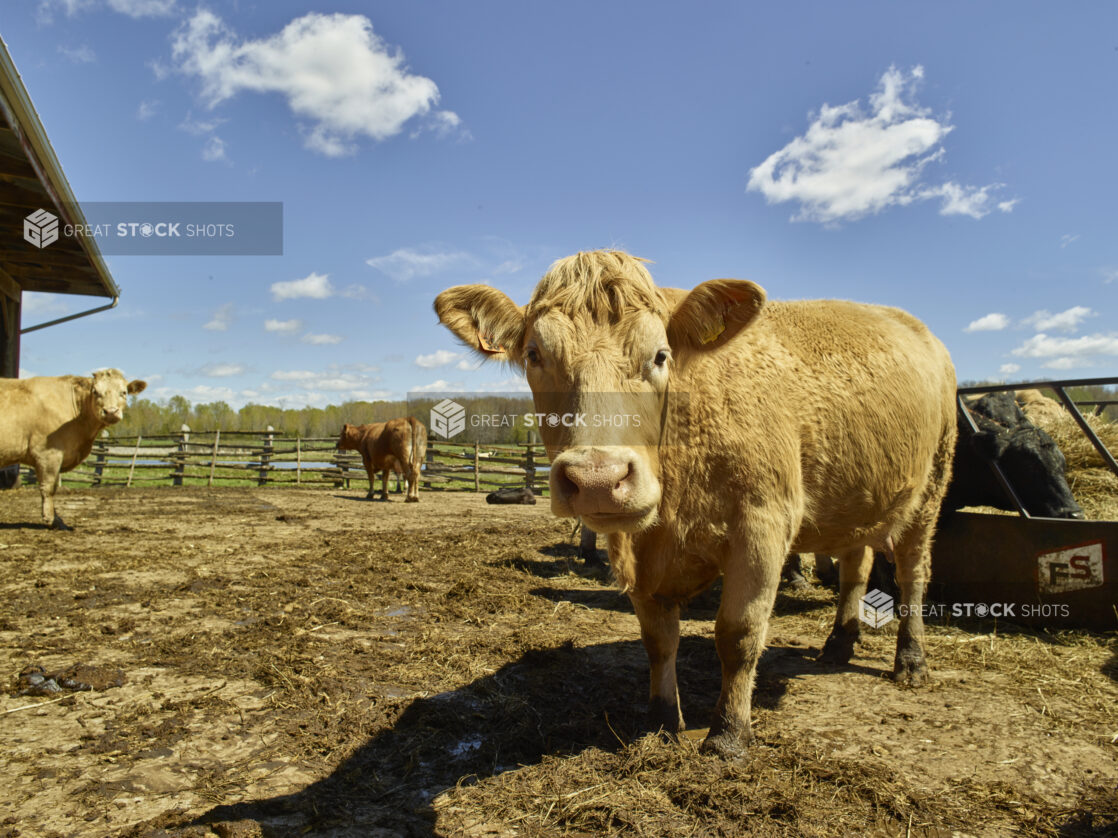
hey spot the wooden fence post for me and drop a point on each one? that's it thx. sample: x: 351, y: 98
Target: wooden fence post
x: 530, y: 469
x: 477, y: 468
x: 180, y: 466
x: 430, y: 458
x: 298, y: 460
x: 266, y: 457
x: 132, y: 468
x: 213, y: 457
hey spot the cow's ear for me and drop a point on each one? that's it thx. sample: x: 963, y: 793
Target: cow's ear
x: 713, y: 313
x: 136, y: 386
x: 990, y: 444
x: 484, y: 319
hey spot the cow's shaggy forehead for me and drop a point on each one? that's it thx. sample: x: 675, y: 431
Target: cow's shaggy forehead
x: 602, y: 285
x: 104, y: 378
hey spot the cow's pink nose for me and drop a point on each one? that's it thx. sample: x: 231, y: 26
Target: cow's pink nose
x: 596, y: 484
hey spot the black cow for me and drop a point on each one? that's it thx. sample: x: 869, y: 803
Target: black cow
x: 1030, y: 459
x: 519, y: 494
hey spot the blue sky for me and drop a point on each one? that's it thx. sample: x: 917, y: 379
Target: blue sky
x: 953, y: 159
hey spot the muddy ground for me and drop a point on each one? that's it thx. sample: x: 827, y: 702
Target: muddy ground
x: 305, y: 662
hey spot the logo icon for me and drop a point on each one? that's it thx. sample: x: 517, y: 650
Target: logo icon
x: 876, y: 608
x: 1071, y: 569
x: 40, y: 228
x: 448, y: 418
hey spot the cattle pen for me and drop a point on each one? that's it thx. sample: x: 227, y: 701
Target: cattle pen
x: 266, y: 458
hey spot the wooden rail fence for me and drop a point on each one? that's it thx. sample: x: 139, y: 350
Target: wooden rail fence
x: 263, y: 458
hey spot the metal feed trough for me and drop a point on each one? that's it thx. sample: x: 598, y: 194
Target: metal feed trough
x: 1050, y: 572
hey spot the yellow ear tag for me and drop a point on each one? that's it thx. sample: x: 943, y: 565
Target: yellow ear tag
x: 713, y: 332
x: 488, y: 344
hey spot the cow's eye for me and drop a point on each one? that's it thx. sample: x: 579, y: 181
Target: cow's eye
x: 533, y: 356
x: 661, y: 357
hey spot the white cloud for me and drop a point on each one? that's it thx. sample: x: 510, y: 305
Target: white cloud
x: 143, y: 8
x: 214, y: 150
x: 206, y: 393
x: 440, y: 358
x: 316, y: 286
x: 468, y: 364
x: 993, y: 322
x: 333, y: 70
x: 973, y: 201
x: 439, y: 386
x: 294, y: 375
x: 132, y: 8
x: 1064, y: 321
x: 41, y: 303
x: 1065, y: 363
x: 222, y: 370
x: 1068, y: 238
x: 321, y: 340
x: 1009, y: 369
x: 407, y: 263
x: 1109, y: 275
x: 221, y: 319
x: 283, y: 327
x: 78, y: 55
x: 25, y: 373
x: 358, y: 292
x: 1007, y: 206
x: 850, y: 163
x: 354, y: 383
x: 200, y: 127
x: 147, y: 109
x: 1085, y: 347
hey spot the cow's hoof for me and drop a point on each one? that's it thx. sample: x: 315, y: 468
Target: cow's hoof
x: 411, y: 500
x: 663, y: 717
x: 911, y: 671
x: 727, y: 745
x: 839, y: 648
x: 59, y: 524
x: 383, y: 499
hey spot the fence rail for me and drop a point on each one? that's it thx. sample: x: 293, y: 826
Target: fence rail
x: 263, y: 458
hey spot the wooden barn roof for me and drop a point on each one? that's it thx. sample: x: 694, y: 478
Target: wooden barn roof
x: 31, y: 178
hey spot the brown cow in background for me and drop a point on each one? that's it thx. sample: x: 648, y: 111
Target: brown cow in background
x: 398, y: 445
x: 50, y: 423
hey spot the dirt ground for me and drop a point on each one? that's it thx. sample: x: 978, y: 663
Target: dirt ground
x: 305, y: 662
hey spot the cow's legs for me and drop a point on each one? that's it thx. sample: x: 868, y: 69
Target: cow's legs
x: 384, y: 485
x: 413, y: 483
x: 854, y: 569
x: 48, y: 471
x: 825, y: 569
x: 660, y: 633
x: 369, y: 470
x: 913, y: 561
x: 749, y: 586
x: 913, y: 555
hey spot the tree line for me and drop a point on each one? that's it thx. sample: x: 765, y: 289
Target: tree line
x: 145, y: 417
x: 151, y: 418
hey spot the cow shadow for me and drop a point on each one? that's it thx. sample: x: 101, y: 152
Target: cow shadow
x: 554, y: 702
x: 26, y: 525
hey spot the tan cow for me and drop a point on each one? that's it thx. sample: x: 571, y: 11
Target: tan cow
x: 398, y: 445
x: 768, y: 428
x: 50, y: 423
x: 1039, y: 409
